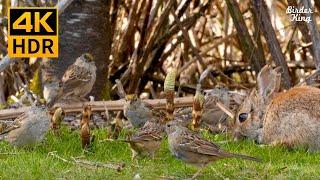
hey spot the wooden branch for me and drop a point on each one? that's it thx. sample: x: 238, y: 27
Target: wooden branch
x: 312, y: 80
x: 315, y: 36
x: 99, y: 106
x: 261, y: 11
x: 317, y: 4
x: 247, y: 45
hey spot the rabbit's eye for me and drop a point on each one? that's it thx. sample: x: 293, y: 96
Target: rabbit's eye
x: 243, y: 117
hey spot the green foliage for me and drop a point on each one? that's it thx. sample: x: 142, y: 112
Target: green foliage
x: 35, y: 84
x: 36, y: 163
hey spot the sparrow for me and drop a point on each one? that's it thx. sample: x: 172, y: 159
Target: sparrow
x: 195, y: 150
x: 139, y: 112
x: 148, y: 137
x: 78, y: 79
x: 146, y: 141
x: 29, y: 128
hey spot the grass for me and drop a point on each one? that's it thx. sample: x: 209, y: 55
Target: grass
x: 35, y: 163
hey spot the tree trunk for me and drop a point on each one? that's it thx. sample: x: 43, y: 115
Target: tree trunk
x: 84, y: 28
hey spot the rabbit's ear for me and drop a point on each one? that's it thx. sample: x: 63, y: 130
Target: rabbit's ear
x: 254, y: 97
x: 269, y: 81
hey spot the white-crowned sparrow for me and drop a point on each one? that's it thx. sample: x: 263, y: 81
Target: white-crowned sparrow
x: 195, y: 150
x: 78, y: 79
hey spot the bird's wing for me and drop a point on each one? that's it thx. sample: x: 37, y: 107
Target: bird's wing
x: 76, y: 75
x: 155, y: 112
x: 147, y: 133
x: 194, y: 143
x: 16, y: 124
x: 146, y: 136
x: 148, y: 105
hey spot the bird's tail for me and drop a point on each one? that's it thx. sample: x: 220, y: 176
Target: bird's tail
x: 231, y: 155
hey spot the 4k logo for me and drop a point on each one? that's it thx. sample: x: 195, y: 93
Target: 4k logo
x: 33, y: 32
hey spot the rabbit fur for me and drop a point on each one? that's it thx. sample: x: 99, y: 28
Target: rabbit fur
x: 290, y: 118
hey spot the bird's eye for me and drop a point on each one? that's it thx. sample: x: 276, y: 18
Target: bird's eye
x: 168, y: 125
x: 243, y: 117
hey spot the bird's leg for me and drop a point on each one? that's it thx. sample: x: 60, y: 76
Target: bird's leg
x: 153, y: 155
x: 197, y: 173
x: 134, y: 155
x: 134, y: 158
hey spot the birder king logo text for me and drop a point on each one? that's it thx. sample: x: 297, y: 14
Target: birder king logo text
x: 299, y: 14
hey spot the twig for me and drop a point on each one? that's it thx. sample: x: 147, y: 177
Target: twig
x: 117, y: 166
x: 152, y: 90
x: 121, y: 92
x: 260, y: 9
x: 225, y: 109
x: 247, y: 45
x: 188, y: 41
x: 315, y: 36
x: 53, y: 154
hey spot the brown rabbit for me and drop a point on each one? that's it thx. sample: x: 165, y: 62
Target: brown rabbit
x: 290, y: 118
